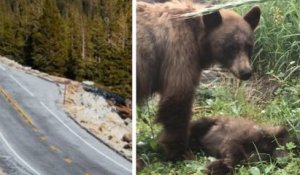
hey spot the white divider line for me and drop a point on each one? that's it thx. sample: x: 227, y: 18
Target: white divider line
x: 18, y: 156
x: 3, y: 68
x: 22, y: 86
x: 84, y: 141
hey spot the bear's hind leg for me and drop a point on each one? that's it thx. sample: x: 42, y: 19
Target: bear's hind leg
x: 217, y: 167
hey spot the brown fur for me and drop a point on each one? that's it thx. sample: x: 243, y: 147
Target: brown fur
x: 234, y: 139
x: 172, y: 52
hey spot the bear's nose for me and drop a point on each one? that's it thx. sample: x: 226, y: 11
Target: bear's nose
x: 245, y: 74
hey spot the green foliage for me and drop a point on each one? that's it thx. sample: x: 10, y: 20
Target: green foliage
x: 77, y: 39
x: 278, y: 38
x: 228, y: 97
x: 49, y: 41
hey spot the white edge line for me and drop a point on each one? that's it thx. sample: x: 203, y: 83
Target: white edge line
x: 30, y: 93
x: 19, y: 157
x: 3, y: 68
x: 87, y: 143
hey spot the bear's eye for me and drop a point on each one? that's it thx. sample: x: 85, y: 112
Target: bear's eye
x: 249, y: 49
x: 229, y: 47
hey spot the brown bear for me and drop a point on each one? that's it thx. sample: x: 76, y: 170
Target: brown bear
x: 172, y: 52
x: 232, y: 139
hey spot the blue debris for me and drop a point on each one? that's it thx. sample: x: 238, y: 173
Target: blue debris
x: 107, y: 95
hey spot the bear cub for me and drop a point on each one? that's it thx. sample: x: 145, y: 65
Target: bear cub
x: 232, y: 140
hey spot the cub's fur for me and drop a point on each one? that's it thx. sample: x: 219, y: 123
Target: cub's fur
x: 234, y: 139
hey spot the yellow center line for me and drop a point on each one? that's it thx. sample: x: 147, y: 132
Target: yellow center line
x: 54, y: 148
x: 17, y: 108
x: 43, y: 138
x: 68, y: 160
x: 29, y: 121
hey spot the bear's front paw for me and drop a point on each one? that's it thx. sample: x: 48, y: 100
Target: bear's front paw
x: 174, y: 147
x: 189, y: 155
x: 173, y: 154
x: 217, y: 168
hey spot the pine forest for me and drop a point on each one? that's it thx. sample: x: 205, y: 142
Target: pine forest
x: 77, y: 39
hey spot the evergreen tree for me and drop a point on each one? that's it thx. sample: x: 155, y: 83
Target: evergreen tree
x: 50, y: 41
x: 80, y: 39
x: 73, y: 59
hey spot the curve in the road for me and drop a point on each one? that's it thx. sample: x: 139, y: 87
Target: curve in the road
x: 68, y: 156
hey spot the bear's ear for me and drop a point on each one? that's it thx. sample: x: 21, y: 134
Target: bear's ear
x: 253, y: 16
x: 212, y: 20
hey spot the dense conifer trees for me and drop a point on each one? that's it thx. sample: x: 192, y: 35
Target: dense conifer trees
x: 79, y: 39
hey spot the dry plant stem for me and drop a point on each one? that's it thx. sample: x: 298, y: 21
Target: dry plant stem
x: 217, y: 7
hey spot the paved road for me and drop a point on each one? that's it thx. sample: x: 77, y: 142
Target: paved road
x: 41, y: 138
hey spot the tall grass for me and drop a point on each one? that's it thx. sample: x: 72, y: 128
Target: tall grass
x: 277, y: 45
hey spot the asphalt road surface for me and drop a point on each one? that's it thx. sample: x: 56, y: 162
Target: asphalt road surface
x: 37, y: 137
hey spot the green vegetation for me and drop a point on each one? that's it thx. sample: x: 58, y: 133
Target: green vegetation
x: 79, y: 39
x: 277, y: 43
x: 264, y: 100
x: 271, y: 96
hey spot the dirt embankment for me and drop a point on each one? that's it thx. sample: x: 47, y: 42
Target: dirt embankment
x: 104, y: 118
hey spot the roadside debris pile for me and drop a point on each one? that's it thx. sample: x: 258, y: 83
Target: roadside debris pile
x: 105, y: 115
x: 2, y: 172
x: 122, y: 105
x: 100, y: 116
